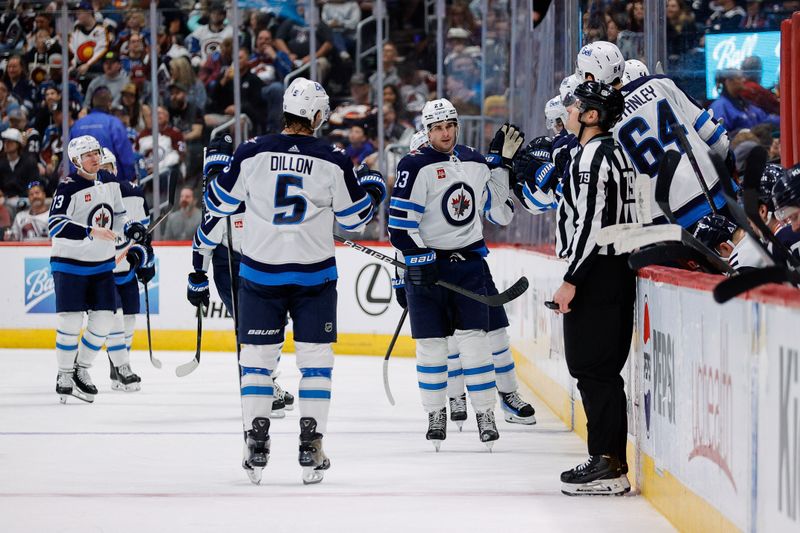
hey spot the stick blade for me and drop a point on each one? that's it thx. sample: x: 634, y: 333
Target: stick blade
x: 513, y: 292
x: 386, y: 387
x: 666, y: 172
x: 670, y: 254
x: 749, y: 280
x: 186, y: 368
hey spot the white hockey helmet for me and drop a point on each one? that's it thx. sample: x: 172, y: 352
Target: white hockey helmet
x: 438, y: 111
x: 305, y: 98
x: 418, y: 140
x: 82, y: 145
x: 553, y: 110
x: 109, y: 159
x: 567, y: 90
x: 634, y: 69
x: 602, y: 60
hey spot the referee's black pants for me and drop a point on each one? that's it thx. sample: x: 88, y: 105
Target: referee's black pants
x: 597, y: 338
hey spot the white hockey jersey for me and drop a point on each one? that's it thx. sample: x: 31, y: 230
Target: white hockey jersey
x: 79, y: 205
x: 437, y: 198
x: 137, y: 210
x: 748, y: 254
x: 205, y: 42
x: 293, y: 187
x: 84, y: 45
x: 27, y: 227
x: 653, y: 106
x: 213, y: 232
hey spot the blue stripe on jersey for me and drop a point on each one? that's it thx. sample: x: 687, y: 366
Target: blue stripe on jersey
x: 81, y: 270
x: 431, y: 369
x: 488, y: 204
x: 480, y: 370
x: 254, y: 370
x: 204, y: 239
x: 717, y: 134
x: 58, y: 227
x: 287, y: 278
x: 482, y: 386
x: 362, y: 222
x: 405, y: 204
x: 256, y: 391
x: 504, y: 369
x: 453, y: 356
x: 321, y: 372
x: 527, y: 192
x: 89, y: 344
x: 355, y: 208
x: 399, y: 223
x: 700, y: 210
x: 455, y: 373
x: 701, y: 120
x: 314, y: 394
x: 66, y: 347
x: 433, y: 386
x: 115, y: 348
x: 223, y: 194
x: 501, y: 351
x: 211, y: 207
x: 124, y: 278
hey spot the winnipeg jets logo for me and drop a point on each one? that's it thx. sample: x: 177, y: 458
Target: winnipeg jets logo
x: 458, y: 204
x: 101, y: 217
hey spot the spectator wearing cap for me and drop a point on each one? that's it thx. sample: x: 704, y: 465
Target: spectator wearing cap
x: 16, y: 79
x: 18, y: 119
x: 733, y: 111
x: 109, y: 131
x: 88, y: 41
x: 207, y: 39
x: 17, y: 167
x: 31, y: 224
x: 753, y: 91
x: 113, y: 78
x: 457, y: 41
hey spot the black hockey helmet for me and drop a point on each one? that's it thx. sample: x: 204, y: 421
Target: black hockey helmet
x: 772, y: 173
x: 786, y: 192
x: 712, y: 230
x: 604, y: 99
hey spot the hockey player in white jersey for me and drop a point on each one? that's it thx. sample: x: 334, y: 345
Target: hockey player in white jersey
x: 654, y: 107
x: 294, y: 187
x: 634, y: 69
x: 84, y: 218
x: 210, y: 247
x: 434, y: 224
x: 134, y: 261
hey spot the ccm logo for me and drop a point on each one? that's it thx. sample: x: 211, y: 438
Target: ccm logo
x: 263, y: 331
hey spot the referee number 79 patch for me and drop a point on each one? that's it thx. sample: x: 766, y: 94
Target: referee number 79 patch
x: 584, y: 178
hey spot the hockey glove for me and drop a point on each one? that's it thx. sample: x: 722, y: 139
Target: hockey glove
x: 146, y: 271
x: 373, y: 182
x: 197, y: 290
x: 504, y: 146
x: 137, y: 256
x: 399, y: 287
x: 421, y: 266
x: 135, y: 231
x: 218, y: 154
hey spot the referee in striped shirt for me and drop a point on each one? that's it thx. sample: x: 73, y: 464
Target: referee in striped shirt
x: 598, y: 291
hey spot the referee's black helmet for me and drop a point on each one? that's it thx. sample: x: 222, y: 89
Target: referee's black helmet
x: 603, y: 98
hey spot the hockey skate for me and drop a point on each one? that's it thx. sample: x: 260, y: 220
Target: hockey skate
x: 437, y: 427
x: 256, y: 449
x: 123, y: 379
x: 458, y: 410
x: 282, y: 395
x: 64, y: 386
x: 312, y: 458
x: 487, y: 428
x: 599, y: 475
x: 516, y: 410
x: 83, y: 388
x: 278, y: 407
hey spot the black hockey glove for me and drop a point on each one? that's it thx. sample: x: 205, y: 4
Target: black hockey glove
x: 399, y: 286
x: 197, y: 290
x: 137, y: 256
x: 218, y: 154
x: 534, y: 164
x: 421, y: 266
x: 504, y: 146
x: 373, y: 182
x: 146, y: 271
x: 136, y: 232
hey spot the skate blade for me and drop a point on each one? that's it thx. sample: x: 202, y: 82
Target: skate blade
x: 254, y: 474
x: 312, y: 476
x: 514, y: 419
x: 600, y: 487
x: 460, y: 424
x: 63, y: 398
x: 489, y: 445
x: 277, y: 413
x: 132, y: 387
x: 436, y: 444
x: 290, y: 407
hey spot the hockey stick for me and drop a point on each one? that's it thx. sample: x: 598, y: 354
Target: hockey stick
x: 234, y: 288
x: 671, y: 252
x: 751, y: 279
x: 756, y: 162
x: 389, y: 353
x: 155, y: 362
x: 187, y: 368
x: 494, y: 300
x: 666, y: 172
x: 684, y: 142
x: 627, y: 237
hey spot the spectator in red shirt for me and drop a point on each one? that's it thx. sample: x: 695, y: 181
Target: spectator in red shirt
x: 753, y: 91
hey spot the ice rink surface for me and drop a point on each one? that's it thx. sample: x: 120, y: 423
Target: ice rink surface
x: 168, y: 458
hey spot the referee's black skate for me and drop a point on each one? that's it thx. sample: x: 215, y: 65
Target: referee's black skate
x: 458, y: 410
x: 311, y: 457
x: 84, y: 389
x: 256, y: 449
x: 516, y: 410
x: 437, y: 427
x: 487, y: 428
x: 599, y: 475
x: 123, y: 379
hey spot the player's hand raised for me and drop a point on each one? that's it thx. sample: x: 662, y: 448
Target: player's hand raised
x: 504, y: 146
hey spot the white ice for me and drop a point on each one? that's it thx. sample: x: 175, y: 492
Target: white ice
x: 168, y: 458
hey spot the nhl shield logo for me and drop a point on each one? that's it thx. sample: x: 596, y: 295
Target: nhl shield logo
x: 458, y: 204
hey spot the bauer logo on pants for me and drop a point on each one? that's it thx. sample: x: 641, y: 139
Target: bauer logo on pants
x: 40, y: 295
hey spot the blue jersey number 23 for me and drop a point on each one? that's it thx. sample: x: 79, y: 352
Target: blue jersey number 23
x: 297, y: 203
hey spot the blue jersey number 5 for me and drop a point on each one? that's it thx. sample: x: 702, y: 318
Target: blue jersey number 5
x: 284, y: 199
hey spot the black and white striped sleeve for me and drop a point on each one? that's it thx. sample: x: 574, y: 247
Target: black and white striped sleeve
x: 590, y: 187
